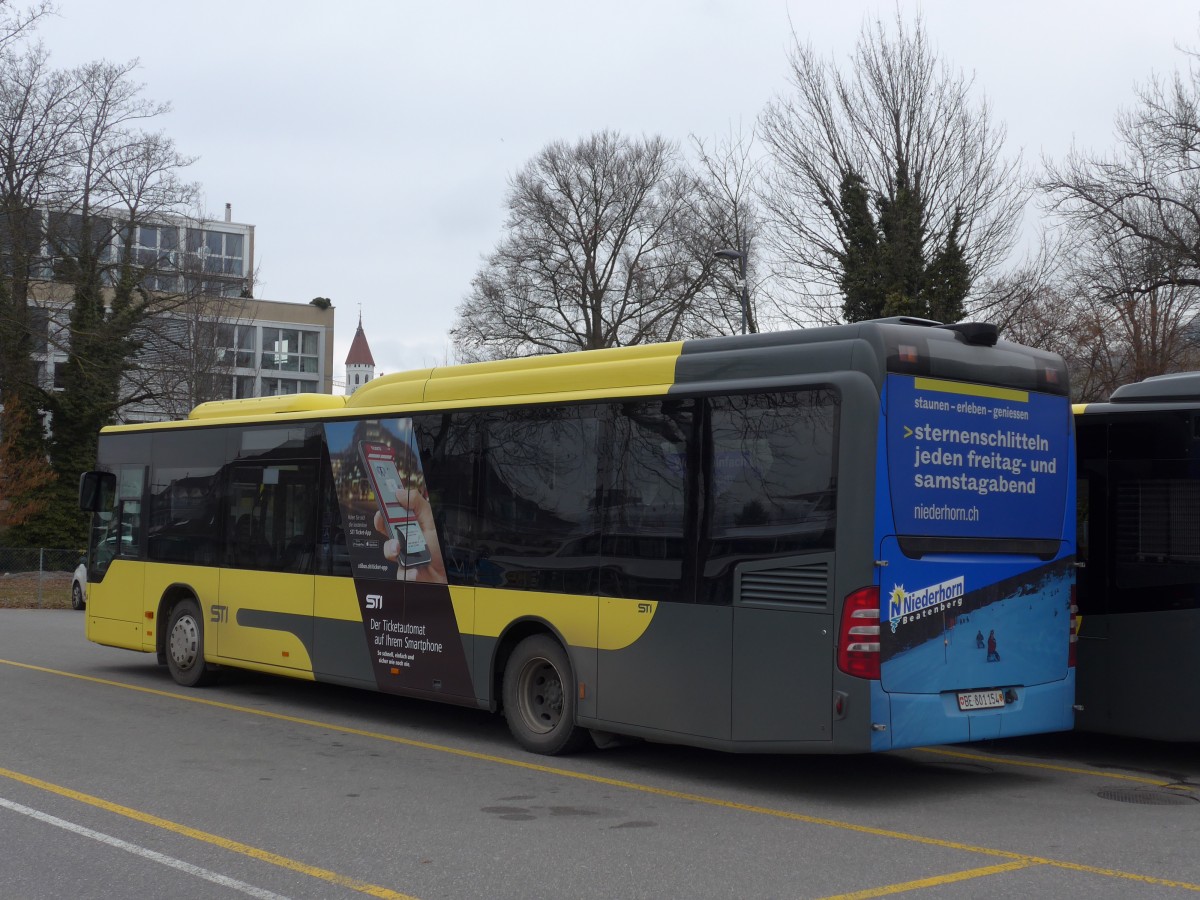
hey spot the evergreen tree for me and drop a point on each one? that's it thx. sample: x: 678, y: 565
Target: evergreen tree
x: 948, y: 278
x: 885, y: 271
x: 102, y: 349
x: 902, y: 247
x: 860, y: 280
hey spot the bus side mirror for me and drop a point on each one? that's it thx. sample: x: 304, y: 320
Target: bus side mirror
x: 96, y: 491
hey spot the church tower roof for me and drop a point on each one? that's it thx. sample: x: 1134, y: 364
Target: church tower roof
x: 360, y: 351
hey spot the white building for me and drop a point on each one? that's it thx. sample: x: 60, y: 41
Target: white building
x: 215, y: 341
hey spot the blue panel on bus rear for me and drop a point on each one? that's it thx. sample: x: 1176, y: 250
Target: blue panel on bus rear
x: 975, y: 461
x: 923, y: 719
x: 974, y: 482
x: 966, y: 622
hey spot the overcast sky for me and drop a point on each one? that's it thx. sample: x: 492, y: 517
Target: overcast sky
x: 370, y: 143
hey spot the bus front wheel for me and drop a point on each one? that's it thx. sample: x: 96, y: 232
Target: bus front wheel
x: 539, y: 697
x: 185, y: 645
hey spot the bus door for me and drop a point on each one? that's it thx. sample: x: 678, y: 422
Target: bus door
x: 115, y: 568
x: 782, y: 651
x: 265, y: 613
x: 772, y: 511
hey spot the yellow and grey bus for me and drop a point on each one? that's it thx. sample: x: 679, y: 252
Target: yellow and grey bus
x: 840, y: 539
x: 1139, y: 540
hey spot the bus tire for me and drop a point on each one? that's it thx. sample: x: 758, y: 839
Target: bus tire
x: 185, y: 646
x: 539, y: 697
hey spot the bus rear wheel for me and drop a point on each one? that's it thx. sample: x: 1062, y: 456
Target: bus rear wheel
x: 185, y: 646
x: 539, y: 697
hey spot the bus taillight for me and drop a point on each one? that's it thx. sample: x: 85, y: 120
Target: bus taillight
x: 1074, y: 630
x: 858, y: 634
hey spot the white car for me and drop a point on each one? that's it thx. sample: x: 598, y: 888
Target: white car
x: 79, y: 586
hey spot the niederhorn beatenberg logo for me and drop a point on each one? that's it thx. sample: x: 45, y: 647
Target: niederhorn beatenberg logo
x: 903, y: 605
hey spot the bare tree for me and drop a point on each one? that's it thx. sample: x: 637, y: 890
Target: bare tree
x: 1134, y: 313
x: 599, y: 250
x: 1132, y: 217
x: 728, y: 175
x: 78, y: 178
x: 38, y: 115
x: 1148, y: 188
x: 898, y: 119
x: 17, y: 22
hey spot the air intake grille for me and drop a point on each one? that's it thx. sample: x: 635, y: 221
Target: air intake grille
x: 803, y: 585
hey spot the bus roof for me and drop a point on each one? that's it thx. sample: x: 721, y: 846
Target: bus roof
x: 1179, y: 387
x: 910, y: 346
x: 1156, y: 393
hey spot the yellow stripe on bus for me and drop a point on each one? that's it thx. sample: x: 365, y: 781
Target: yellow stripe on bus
x: 971, y: 390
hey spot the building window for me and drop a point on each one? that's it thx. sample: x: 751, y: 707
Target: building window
x: 290, y: 350
x: 215, y: 262
x: 156, y: 249
x: 39, y: 327
x: 243, y: 387
x: 216, y: 252
x: 274, y: 387
x: 238, y: 344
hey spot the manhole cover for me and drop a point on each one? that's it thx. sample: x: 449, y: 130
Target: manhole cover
x: 1146, y: 798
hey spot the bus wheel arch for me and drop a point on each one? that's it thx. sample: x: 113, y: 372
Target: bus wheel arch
x: 181, y: 643
x: 538, y: 690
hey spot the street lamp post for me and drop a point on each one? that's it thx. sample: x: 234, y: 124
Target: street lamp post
x: 740, y: 256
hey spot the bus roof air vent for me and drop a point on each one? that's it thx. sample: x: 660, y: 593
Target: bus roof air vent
x: 981, y: 334
x: 907, y: 320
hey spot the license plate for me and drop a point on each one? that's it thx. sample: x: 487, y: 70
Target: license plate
x: 980, y: 700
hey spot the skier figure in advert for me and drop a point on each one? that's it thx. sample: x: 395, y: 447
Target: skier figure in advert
x: 993, y: 654
x: 979, y: 639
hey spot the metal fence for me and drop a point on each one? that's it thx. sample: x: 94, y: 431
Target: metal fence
x: 38, y: 577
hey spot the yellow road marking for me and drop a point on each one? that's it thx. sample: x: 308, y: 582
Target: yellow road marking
x: 1008, y: 761
x: 371, y: 890
x: 935, y: 881
x: 632, y: 785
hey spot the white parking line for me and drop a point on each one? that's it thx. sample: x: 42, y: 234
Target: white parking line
x: 154, y: 856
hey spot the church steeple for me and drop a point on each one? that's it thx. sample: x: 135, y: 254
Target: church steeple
x: 360, y: 364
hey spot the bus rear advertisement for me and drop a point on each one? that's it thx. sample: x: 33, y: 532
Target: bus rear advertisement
x: 977, y: 577
x: 842, y: 539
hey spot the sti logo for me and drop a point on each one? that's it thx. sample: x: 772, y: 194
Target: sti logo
x: 374, y: 601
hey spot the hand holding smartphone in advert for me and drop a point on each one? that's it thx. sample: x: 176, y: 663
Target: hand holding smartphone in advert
x: 396, y: 518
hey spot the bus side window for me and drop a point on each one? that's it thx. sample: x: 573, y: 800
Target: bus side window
x: 771, y: 480
x: 1082, y: 506
x: 125, y: 536
x: 539, y: 490
x: 449, y: 446
x: 644, y: 549
x: 332, y: 556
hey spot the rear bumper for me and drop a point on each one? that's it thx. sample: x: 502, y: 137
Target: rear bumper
x: 917, y: 719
